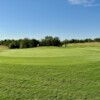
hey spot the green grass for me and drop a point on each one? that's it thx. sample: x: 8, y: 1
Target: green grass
x: 50, y: 73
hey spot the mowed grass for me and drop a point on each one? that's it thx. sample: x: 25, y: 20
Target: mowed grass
x: 50, y: 73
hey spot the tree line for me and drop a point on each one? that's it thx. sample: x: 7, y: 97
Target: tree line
x: 29, y: 43
x: 47, y: 41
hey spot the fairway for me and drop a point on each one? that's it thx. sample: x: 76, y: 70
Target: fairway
x: 50, y: 73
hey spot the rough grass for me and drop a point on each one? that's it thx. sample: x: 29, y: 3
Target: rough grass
x: 50, y: 73
x: 87, y: 44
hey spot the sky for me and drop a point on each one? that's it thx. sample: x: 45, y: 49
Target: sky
x: 66, y: 19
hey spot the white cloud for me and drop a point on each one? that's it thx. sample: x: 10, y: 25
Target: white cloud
x: 86, y: 3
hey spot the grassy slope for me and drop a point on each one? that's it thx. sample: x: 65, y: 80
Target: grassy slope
x: 50, y: 73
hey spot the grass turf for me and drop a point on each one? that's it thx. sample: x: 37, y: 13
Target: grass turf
x: 50, y: 73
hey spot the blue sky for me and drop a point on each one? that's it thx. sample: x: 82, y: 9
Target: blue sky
x: 38, y: 18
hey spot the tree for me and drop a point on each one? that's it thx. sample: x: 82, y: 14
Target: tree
x: 50, y: 41
x: 34, y: 42
x: 65, y: 42
x: 97, y: 40
x: 13, y: 45
x: 74, y: 41
x: 28, y: 43
x: 56, y: 41
x: 24, y: 43
x: 88, y: 40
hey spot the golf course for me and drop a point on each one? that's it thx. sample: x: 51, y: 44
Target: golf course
x: 50, y: 73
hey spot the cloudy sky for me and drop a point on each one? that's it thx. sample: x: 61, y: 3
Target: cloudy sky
x: 38, y: 18
x: 86, y: 3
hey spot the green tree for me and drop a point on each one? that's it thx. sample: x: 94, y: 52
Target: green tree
x: 65, y: 42
x: 56, y: 41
